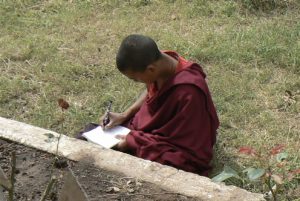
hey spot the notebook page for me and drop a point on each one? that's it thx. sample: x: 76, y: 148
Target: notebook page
x: 105, y: 138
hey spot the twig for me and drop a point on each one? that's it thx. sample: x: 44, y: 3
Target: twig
x: 270, y: 187
x: 53, y: 179
x: 134, y: 194
x: 58, y: 140
x: 47, y: 190
x: 166, y: 193
x: 61, y: 130
x: 28, y: 62
x: 12, y: 176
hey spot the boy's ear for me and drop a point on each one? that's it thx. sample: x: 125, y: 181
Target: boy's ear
x: 151, y: 68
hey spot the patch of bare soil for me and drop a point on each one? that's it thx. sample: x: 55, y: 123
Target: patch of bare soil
x: 34, y: 169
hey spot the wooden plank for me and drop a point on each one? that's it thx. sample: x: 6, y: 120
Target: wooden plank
x: 2, y: 196
x: 4, y: 181
x: 72, y: 190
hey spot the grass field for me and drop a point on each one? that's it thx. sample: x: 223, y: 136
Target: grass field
x: 66, y: 49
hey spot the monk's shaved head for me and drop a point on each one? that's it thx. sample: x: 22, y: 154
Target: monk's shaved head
x: 136, y: 53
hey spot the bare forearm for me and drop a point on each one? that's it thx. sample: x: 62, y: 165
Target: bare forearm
x: 119, y: 118
x: 136, y: 105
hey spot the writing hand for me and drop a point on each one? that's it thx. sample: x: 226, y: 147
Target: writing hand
x: 106, y: 119
x: 115, y: 119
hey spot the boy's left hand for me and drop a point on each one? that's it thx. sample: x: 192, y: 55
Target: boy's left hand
x: 122, y: 145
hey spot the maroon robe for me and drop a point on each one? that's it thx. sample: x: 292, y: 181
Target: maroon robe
x: 177, y: 124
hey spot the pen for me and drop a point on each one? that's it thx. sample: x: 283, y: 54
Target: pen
x: 106, y: 118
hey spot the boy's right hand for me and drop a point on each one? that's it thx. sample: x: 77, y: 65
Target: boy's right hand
x: 115, y: 119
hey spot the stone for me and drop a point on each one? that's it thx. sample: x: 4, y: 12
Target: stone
x: 166, y: 177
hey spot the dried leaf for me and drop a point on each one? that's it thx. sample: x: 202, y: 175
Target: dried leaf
x: 247, y: 150
x: 116, y: 189
x: 277, y: 179
x: 112, y: 189
x: 289, y: 93
x: 281, y: 164
x: 137, y: 183
x: 293, y: 173
x: 289, y: 98
x: 277, y: 149
x: 60, y: 163
x: 63, y: 104
x: 130, y: 190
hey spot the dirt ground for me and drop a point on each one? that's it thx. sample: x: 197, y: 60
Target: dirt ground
x: 34, y: 169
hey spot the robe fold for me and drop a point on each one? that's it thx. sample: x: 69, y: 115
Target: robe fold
x: 177, y: 124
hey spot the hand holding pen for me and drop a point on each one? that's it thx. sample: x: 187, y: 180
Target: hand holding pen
x: 112, y: 119
x: 106, y: 119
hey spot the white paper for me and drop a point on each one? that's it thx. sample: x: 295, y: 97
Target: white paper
x: 105, y: 138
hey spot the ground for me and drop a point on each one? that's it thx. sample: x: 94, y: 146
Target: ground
x: 34, y: 169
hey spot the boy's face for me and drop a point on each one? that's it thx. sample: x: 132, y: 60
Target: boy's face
x: 148, y: 76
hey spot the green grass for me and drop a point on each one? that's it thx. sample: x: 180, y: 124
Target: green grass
x: 54, y: 49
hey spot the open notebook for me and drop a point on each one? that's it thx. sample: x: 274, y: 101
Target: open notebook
x: 105, y: 138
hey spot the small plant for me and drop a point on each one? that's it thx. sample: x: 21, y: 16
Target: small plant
x: 8, y: 184
x: 271, y: 170
x: 64, y: 105
x: 71, y: 184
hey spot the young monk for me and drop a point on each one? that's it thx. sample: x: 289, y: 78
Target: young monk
x: 174, y: 121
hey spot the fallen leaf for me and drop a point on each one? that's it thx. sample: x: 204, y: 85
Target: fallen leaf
x: 130, y: 190
x: 247, y: 150
x: 63, y: 104
x: 277, y: 179
x: 292, y: 174
x: 137, y: 183
x: 289, y: 98
x: 281, y: 164
x: 297, y: 171
x: 277, y: 149
x: 289, y: 93
x: 112, y: 189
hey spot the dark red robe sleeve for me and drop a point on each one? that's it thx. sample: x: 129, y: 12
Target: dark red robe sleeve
x: 179, y: 134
